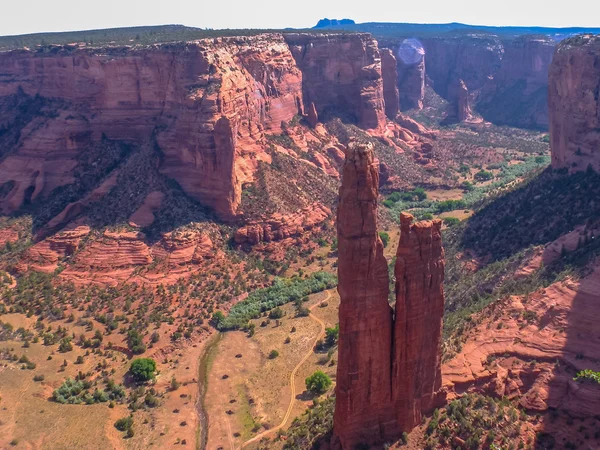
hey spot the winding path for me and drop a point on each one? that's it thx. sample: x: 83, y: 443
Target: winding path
x: 293, y: 378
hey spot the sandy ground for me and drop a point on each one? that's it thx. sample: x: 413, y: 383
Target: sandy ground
x: 249, y: 395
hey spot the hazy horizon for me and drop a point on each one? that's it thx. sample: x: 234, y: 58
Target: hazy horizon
x: 72, y: 15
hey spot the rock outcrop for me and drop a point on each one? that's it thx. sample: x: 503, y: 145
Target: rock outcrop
x: 363, y: 412
x: 574, y: 102
x: 463, y: 105
x: 341, y: 73
x: 389, y: 73
x: 419, y: 271
x: 206, y: 106
x: 388, y: 367
x: 282, y: 226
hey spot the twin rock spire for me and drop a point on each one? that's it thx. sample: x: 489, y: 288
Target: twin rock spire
x: 389, y: 362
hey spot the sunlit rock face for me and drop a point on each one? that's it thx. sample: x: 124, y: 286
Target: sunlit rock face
x: 389, y: 370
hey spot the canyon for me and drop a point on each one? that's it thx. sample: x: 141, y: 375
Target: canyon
x: 574, y: 102
x: 206, y: 106
x: 389, y: 369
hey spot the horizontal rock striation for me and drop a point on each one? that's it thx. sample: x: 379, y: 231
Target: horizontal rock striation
x: 206, y: 107
x: 282, y: 226
x: 341, y: 74
x: 389, y: 370
x: 574, y: 102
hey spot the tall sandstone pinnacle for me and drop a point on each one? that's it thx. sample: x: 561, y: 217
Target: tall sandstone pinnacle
x: 363, y: 410
x: 388, y: 367
x: 419, y: 271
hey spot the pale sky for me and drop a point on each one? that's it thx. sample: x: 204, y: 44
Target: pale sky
x: 19, y: 17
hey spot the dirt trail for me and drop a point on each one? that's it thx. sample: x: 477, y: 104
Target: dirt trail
x: 293, y: 378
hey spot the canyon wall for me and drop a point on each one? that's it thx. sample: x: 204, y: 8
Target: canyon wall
x: 574, y: 102
x: 388, y: 367
x: 205, y: 105
x: 342, y: 75
x: 507, y: 78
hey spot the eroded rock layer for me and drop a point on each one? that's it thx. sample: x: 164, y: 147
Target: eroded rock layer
x: 574, y: 102
x: 363, y: 410
x: 419, y: 271
x: 205, y: 106
x: 389, y: 368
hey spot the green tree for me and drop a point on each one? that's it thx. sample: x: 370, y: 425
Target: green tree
x: 143, y: 369
x: 274, y: 354
x: 318, y: 382
x: 385, y: 238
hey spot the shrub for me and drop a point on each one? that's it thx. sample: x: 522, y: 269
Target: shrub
x: 274, y: 354
x: 451, y: 221
x: 385, y: 238
x: 318, y: 382
x: 124, y: 424
x: 282, y: 291
x: 276, y: 313
x: 143, y: 369
x: 484, y: 175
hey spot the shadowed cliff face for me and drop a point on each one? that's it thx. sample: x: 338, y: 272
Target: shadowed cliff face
x: 508, y: 79
x: 205, y: 106
x: 341, y: 73
x: 389, y: 368
x: 574, y: 102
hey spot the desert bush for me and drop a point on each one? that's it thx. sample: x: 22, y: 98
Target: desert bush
x: 318, y: 382
x: 143, y: 369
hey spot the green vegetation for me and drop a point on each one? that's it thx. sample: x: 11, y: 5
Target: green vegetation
x: 385, y: 238
x: 314, y: 426
x: 76, y: 392
x: 588, y: 374
x: 273, y: 354
x: 318, y: 383
x: 281, y: 292
x: 477, y: 420
x: 536, y: 212
x: 483, y: 175
x: 451, y: 221
x: 143, y: 369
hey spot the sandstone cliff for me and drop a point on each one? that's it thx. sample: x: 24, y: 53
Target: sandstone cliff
x: 363, y: 410
x: 389, y: 367
x: 508, y: 78
x: 341, y: 74
x: 206, y: 106
x: 574, y: 102
x: 416, y: 374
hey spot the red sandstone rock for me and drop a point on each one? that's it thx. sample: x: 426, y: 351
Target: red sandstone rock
x: 312, y: 116
x: 411, y: 82
x: 341, y: 71
x: 363, y: 410
x: 281, y: 226
x: 463, y: 102
x: 574, y: 103
x: 416, y: 372
x: 385, y: 379
x: 44, y: 256
x: 389, y: 75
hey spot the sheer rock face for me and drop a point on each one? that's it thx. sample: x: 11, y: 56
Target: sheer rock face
x: 342, y: 72
x: 390, y: 83
x: 388, y: 368
x: 175, y: 93
x: 418, y: 322
x: 574, y: 102
x: 411, y: 84
x: 363, y: 410
x: 206, y: 105
x: 463, y: 102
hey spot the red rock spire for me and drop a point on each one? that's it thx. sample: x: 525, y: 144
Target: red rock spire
x: 388, y: 369
x: 363, y: 412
